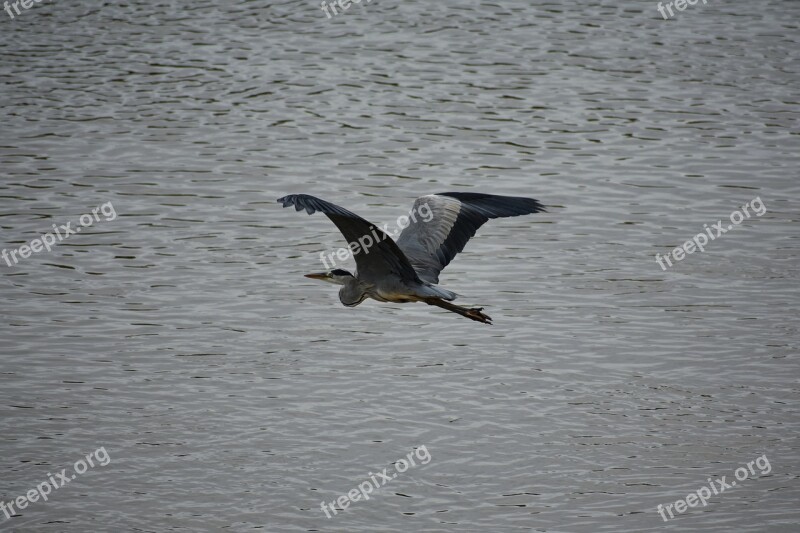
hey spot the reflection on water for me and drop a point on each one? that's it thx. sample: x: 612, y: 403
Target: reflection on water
x: 234, y: 393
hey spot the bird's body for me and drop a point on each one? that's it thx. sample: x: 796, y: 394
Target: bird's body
x: 356, y: 289
x: 408, y: 270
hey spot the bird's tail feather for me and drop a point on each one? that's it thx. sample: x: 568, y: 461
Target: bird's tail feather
x: 438, y: 292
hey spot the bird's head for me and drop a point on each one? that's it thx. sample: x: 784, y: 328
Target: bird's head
x: 337, y: 276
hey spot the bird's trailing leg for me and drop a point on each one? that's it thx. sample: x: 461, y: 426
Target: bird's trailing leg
x: 473, y: 313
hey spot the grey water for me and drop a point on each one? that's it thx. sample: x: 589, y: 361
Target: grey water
x: 233, y: 394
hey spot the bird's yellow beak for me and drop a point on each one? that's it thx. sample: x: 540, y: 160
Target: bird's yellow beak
x: 318, y: 275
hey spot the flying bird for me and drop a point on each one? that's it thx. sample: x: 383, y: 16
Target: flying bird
x: 408, y: 270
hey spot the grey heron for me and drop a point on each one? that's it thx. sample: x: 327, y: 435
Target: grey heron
x: 408, y: 270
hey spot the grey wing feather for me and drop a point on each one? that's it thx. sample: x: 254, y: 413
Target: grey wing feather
x: 374, y: 262
x: 442, y: 224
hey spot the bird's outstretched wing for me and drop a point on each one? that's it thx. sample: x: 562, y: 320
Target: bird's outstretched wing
x: 377, y: 256
x: 432, y: 240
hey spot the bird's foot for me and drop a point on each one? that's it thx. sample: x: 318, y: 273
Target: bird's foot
x: 476, y: 314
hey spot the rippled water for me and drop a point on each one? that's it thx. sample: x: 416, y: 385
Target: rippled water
x: 233, y: 394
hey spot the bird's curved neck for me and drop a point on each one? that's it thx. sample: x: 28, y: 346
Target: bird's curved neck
x: 352, y: 293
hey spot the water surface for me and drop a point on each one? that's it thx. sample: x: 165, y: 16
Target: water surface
x: 233, y: 394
